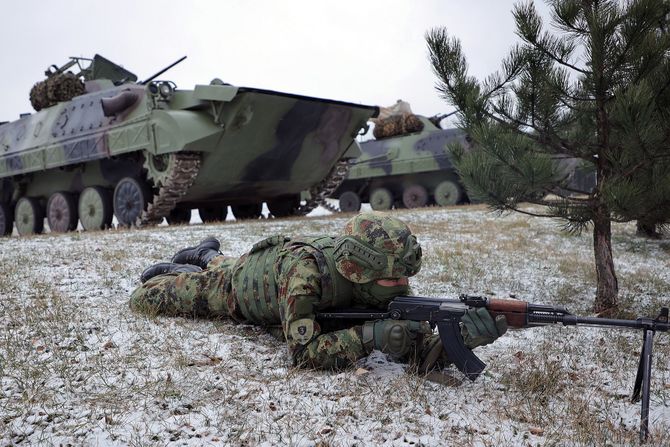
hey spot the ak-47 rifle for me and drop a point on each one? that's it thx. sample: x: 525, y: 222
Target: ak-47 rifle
x: 445, y: 314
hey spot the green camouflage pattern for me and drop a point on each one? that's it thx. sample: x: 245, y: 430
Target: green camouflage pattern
x: 334, y: 350
x: 376, y: 246
x: 419, y: 160
x: 252, y: 145
x: 226, y: 289
x: 409, y: 164
x: 375, y: 296
x: 198, y: 294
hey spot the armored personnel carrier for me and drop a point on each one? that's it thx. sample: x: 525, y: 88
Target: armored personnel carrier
x: 102, y: 144
x: 408, y: 164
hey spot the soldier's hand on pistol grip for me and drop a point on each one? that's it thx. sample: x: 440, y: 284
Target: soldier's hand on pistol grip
x: 394, y: 337
x: 478, y: 327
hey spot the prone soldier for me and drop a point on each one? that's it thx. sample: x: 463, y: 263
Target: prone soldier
x: 282, y: 283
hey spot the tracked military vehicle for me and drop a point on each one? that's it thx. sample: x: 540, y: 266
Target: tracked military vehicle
x: 408, y: 164
x: 102, y: 144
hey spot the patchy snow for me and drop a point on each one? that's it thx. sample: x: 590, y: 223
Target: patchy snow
x: 78, y: 367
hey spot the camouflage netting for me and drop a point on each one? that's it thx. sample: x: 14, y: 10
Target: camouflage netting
x: 397, y: 125
x: 57, y: 88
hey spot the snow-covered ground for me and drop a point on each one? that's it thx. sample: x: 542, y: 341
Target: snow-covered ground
x: 77, y: 367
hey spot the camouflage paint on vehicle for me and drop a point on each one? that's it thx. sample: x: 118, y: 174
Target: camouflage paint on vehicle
x: 415, y: 169
x: 409, y: 170
x: 159, y: 151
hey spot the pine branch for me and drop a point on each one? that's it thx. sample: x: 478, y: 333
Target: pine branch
x: 534, y: 214
x: 510, y: 119
x: 643, y: 164
x: 529, y: 26
x: 514, y: 125
x: 565, y: 14
x: 662, y: 89
x: 512, y: 65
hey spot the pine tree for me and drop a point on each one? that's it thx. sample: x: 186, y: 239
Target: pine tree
x: 593, y: 88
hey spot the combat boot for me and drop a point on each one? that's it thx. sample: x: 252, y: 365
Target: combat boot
x: 167, y: 267
x: 199, y: 255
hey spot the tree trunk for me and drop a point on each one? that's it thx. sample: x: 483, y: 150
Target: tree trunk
x: 608, y: 288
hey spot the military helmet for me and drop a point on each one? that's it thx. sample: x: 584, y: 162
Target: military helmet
x: 376, y: 246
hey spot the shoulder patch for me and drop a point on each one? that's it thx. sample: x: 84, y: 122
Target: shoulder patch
x: 302, y: 330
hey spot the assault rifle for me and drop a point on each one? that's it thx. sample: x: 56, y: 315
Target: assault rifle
x: 445, y: 314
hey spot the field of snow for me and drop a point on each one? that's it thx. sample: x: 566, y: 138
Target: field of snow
x: 77, y: 367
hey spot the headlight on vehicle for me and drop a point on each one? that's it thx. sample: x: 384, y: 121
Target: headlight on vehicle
x: 165, y: 90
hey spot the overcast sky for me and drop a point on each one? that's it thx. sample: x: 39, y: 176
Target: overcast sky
x: 365, y: 51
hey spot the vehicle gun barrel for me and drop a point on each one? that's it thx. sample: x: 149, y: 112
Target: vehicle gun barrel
x: 151, y: 78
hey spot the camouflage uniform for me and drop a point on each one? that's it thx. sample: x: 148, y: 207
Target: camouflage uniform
x: 282, y: 283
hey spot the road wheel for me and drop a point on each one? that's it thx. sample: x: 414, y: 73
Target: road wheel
x: 381, y: 199
x: 350, y: 202
x: 447, y: 193
x: 130, y: 199
x: 62, y: 212
x: 249, y: 211
x: 179, y: 216
x: 6, y: 219
x: 95, y: 208
x: 415, y: 196
x: 284, y: 207
x: 214, y: 213
x: 29, y: 216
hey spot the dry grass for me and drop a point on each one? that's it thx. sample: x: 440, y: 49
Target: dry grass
x: 78, y: 367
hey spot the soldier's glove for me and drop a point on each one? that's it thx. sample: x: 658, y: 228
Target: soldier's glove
x: 478, y: 328
x: 394, y: 337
